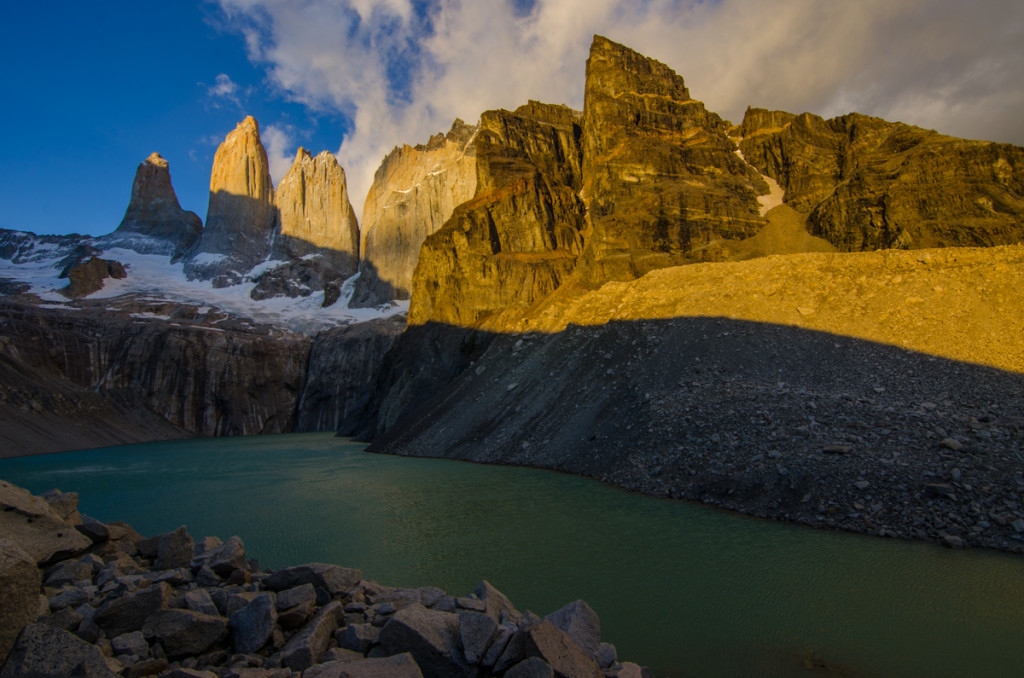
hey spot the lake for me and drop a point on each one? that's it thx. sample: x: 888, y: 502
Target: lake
x: 686, y: 589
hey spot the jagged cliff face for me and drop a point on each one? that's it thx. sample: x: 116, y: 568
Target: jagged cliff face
x: 241, y: 214
x: 414, y: 192
x: 660, y: 175
x: 519, y: 237
x: 315, y: 213
x: 868, y: 184
x: 154, y: 213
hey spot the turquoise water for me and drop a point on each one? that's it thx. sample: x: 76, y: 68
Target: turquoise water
x: 685, y: 589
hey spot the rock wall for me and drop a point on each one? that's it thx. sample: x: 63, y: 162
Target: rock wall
x: 519, y: 237
x: 870, y: 184
x: 660, y: 175
x: 154, y: 213
x: 414, y: 192
x: 241, y: 214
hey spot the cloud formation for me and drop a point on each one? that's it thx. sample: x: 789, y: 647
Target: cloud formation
x: 224, y: 88
x: 281, y: 150
x: 401, y: 70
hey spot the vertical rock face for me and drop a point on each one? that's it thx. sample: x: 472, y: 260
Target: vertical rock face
x: 241, y: 214
x: 315, y: 213
x: 154, y: 212
x: 660, y: 175
x: 519, y: 237
x: 414, y: 192
x: 868, y: 184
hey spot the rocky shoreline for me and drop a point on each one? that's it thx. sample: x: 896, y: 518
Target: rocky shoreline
x: 80, y: 597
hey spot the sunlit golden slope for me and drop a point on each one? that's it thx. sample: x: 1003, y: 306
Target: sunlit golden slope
x: 964, y: 304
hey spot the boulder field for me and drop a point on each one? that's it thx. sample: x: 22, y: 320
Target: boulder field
x: 80, y: 597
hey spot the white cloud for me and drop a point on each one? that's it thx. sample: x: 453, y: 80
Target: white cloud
x: 402, y: 71
x: 224, y: 88
x: 280, y: 150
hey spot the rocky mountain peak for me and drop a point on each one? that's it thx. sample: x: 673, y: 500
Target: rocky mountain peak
x: 616, y: 68
x: 241, y: 214
x: 154, y: 213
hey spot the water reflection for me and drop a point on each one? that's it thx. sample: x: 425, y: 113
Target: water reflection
x: 688, y: 590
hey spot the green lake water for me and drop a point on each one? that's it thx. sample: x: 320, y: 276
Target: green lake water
x: 685, y: 589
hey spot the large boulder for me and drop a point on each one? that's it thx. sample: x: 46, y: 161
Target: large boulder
x: 431, y: 637
x: 42, y: 651
x: 253, y: 625
x: 332, y: 579
x: 31, y: 523
x: 396, y: 666
x: 551, y: 644
x: 580, y: 623
x: 19, y: 593
x: 307, y: 646
x: 130, y: 611
x: 174, y: 549
x: 184, y: 632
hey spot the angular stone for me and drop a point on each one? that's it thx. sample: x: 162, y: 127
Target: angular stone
x: 358, y: 637
x: 307, y: 646
x: 253, y: 625
x: 174, y: 549
x: 19, y: 593
x: 147, y: 667
x: 628, y: 670
x: 199, y: 600
x: 130, y: 611
x: 96, y: 531
x: 579, y: 621
x: 530, y: 668
x: 45, y: 652
x: 296, y: 616
x: 551, y: 644
x: 296, y: 595
x: 133, y: 643
x: 68, y: 572
x: 33, y: 525
x: 476, y: 631
x: 64, y: 504
x: 331, y: 578
x: 431, y: 637
x: 504, y: 634
x: 606, y: 655
x: 497, y: 604
x: 224, y: 558
x: 184, y: 632
x: 397, y: 666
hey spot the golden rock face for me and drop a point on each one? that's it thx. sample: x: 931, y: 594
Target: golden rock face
x: 314, y: 208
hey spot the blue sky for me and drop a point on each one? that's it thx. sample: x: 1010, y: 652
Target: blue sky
x: 92, y: 88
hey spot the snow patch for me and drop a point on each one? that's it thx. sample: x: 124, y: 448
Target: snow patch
x: 775, y: 196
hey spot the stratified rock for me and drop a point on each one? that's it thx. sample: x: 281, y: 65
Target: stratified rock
x: 19, y: 593
x: 551, y: 644
x: 344, y: 363
x: 519, y: 237
x: 307, y: 646
x: 30, y: 522
x: 184, y: 632
x: 431, y: 637
x: 241, y: 215
x: 253, y: 625
x: 661, y: 178
x: 154, y: 222
x: 45, y: 652
x: 315, y: 215
x: 579, y: 621
x: 867, y: 184
x: 414, y: 191
x: 88, y: 277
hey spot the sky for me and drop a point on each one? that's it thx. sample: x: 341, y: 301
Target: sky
x: 92, y: 88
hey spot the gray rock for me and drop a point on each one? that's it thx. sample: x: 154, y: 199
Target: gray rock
x: 496, y: 603
x: 19, y: 593
x: 397, y: 666
x: 476, y: 630
x: 307, y: 646
x: 147, y: 667
x: 133, y: 643
x: 184, y: 632
x: 606, y: 655
x: 579, y: 621
x: 939, y: 490
x: 331, y: 578
x: 34, y: 526
x: 96, y: 531
x: 224, y: 558
x: 530, y: 668
x: 174, y: 549
x: 340, y: 654
x: 627, y: 670
x: 431, y: 637
x: 294, y: 617
x: 514, y: 652
x: 130, y: 611
x: 68, y: 619
x: 199, y: 600
x: 296, y: 595
x: 64, y: 504
x: 501, y: 639
x: 72, y: 596
x: 358, y: 637
x: 468, y: 603
x: 45, y: 652
x: 189, y: 673
x: 253, y: 625
x: 555, y: 647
